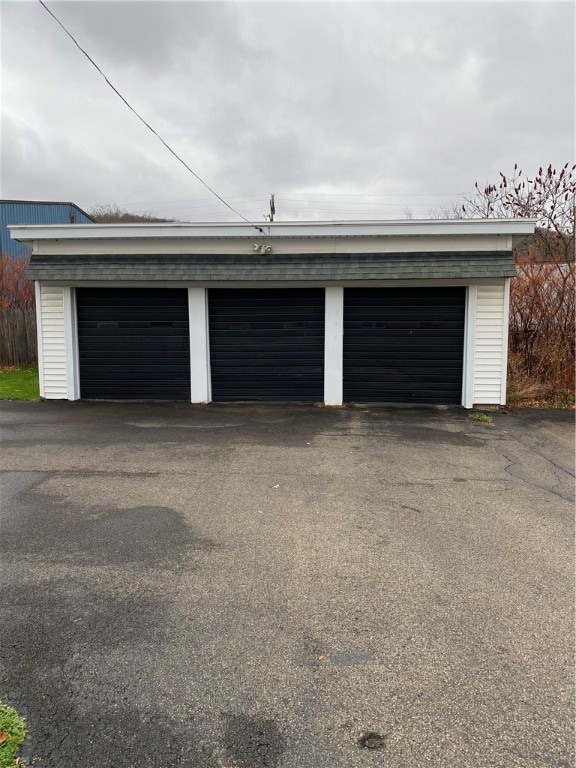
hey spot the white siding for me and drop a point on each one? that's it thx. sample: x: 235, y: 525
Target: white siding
x: 53, y: 347
x: 490, y: 347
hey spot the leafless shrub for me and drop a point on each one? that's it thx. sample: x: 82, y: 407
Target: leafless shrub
x: 16, y: 291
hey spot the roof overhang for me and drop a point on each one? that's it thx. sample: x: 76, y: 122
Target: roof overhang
x: 291, y: 229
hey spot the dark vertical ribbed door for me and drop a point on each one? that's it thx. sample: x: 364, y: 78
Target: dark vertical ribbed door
x: 134, y: 343
x: 403, y: 345
x: 267, y: 344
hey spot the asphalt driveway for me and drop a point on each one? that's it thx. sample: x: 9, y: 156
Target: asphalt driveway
x: 240, y: 587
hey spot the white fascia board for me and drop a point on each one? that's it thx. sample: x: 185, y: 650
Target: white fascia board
x: 296, y: 229
x: 39, y: 335
x: 421, y: 282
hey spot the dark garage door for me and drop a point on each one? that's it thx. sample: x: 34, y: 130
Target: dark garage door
x: 267, y: 344
x: 403, y: 345
x: 133, y: 343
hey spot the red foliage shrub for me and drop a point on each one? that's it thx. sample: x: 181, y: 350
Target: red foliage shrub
x: 16, y: 291
x: 542, y: 330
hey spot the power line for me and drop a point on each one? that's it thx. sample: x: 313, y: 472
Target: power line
x: 289, y: 195
x: 201, y: 200
x: 344, y: 204
x: 131, y: 108
x: 370, y: 194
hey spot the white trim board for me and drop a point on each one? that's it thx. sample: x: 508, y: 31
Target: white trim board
x: 71, y: 338
x: 469, y: 347
x: 424, y: 283
x: 333, y: 346
x: 269, y: 231
x: 505, y: 331
x: 38, y: 297
x: 200, y: 378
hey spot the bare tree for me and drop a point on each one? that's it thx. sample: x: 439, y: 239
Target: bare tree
x: 448, y: 211
x: 549, y: 197
x: 111, y: 213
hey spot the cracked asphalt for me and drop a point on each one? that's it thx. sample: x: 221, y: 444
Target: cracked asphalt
x: 292, y: 587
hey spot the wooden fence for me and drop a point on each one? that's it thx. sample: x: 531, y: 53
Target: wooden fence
x: 18, y: 344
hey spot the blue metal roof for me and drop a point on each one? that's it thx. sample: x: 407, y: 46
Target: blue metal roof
x: 35, y: 212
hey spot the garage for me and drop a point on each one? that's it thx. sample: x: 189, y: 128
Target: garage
x: 133, y: 343
x: 404, y: 344
x: 267, y: 344
x: 313, y: 312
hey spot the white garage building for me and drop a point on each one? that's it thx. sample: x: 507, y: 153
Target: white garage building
x: 333, y: 312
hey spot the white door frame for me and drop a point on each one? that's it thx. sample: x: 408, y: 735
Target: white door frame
x: 200, y: 377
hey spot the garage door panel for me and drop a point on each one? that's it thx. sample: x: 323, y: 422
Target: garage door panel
x: 255, y: 350
x: 403, y: 371
x: 139, y: 370
x: 403, y: 351
x: 267, y: 344
x: 158, y: 340
x: 112, y: 328
x: 270, y: 335
x: 232, y: 329
x: 265, y: 372
x: 429, y: 352
x: 232, y: 353
x: 134, y: 312
x: 403, y: 344
x: 134, y: 343
x: 113, y: 356
x: 398, y: 388
x: 445, y: 336
x: 406, y: 327
x: 131, y: 297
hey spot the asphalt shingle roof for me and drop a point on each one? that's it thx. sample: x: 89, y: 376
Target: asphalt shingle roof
x: 324, y: 267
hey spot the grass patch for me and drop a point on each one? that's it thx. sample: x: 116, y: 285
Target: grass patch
x: 525, y: 391
x: 19, y: 383
x: 12, y: 733
x: 564, y: 400
x: 479, y: 416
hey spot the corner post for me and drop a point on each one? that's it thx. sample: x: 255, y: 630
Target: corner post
x: 200, y: 386
x: 469, y: 347
x: 333, y: 346
x: 38, y: 301
x: 505, y: 331
x: 71, y: 338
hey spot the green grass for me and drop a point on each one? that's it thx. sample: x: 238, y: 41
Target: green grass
x: 12, y: 733
x: 19, y: 383
x: 479, y: 416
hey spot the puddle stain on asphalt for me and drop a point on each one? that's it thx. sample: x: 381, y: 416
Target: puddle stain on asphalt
x: 146, y: 535
x: 75, y: 718
x: 350, y: 658
x: 253, y: 742
x: 372, y: 740
x: 420, y: 434
x: 14, y: 483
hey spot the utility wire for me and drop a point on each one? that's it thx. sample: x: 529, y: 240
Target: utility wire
x: 370, y: 194
x: 131, y: 108
x: 285, y: 195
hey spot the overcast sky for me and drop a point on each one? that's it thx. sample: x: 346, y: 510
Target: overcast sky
x: 343, y: 110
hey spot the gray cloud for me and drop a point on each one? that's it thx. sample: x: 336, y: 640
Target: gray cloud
x: 399, y: 99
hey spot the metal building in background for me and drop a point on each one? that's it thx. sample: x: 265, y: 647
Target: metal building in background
x: 35, y: 212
